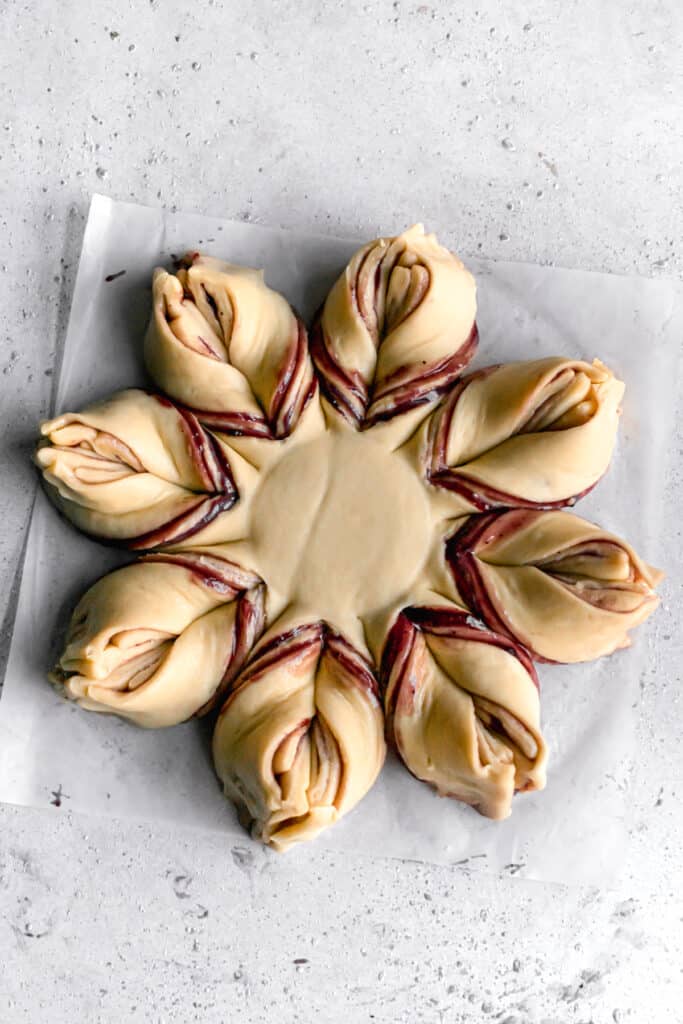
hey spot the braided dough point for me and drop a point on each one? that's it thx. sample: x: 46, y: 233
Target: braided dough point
x: 396, y: 329
x: 463, y: 708
x: 526, y: 434
x: 159, y: 640
x: 566, y: 589
x: 300, y: 739
x: 136, y: 469
x: 233, y: 350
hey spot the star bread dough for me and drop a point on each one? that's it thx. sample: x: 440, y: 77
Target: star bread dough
x: 566, y: 589
x: 160, y: 640
x: 140, y: 471
x: 530, y: 434
x: 396, y: 329
x: 309, y: 580
x: 463, y: 709
x: 300, y: 740
x: 223, y: 343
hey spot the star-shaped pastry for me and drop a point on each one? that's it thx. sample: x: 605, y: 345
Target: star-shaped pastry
x: 346, y: 542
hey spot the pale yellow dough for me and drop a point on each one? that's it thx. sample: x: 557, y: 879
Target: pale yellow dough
x: 402, y: 304
x: 565, y: 588
x: 340, y: 527
x: 440, y: 320
x: 334, y: 530
x: 153, y: 642
x: 541, y: 431
x: 219, y: 338
x: 467, y: 721
x: 299, y: 742
x: 123, y: 467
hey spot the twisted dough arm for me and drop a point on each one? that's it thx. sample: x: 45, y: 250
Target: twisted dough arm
x: 462, y: 707
x: 299, y: 740
x: 223, y: 343
x: 396, y: 329
x: 160, y: 640
x: 137, y: 470
x: 565, y: 588
x: 533, y: 434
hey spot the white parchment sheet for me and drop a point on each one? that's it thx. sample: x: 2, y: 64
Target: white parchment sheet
x: 575, y: 830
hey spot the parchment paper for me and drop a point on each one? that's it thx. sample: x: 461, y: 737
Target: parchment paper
x: 574, y: 831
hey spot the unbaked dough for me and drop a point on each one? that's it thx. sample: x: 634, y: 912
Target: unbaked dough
x: 312, y: 525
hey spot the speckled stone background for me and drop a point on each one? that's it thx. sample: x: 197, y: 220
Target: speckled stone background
x: 522, y: 130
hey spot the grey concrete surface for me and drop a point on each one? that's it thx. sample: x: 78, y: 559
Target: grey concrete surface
x: 522, y: 130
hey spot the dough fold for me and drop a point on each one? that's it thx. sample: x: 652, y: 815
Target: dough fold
x: 233, y: 350
x: 535, y: 434
x: 136, y: 469
x: 160, y: 640
x: 462, y: 708
x: 299, y: 740
x: 396, y: 329
x: 566, y: 589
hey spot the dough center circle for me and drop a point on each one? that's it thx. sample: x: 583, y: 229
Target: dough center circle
x: 341, y: 525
